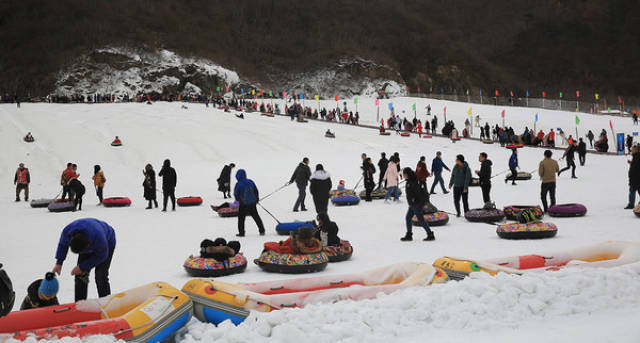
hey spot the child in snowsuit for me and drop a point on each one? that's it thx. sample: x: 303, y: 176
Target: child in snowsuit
x: 41, y: 293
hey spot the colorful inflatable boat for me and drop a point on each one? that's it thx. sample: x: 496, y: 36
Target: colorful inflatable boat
x: 481, y: 215
x: 531, y: 230
x: 61, y: 206
x: 216, y: 301
x: 433, y: 219
x: 607, y: 254
x: 378, y: 193
x: 338, y: 253
x: 512, y: 212
x: 150, y: 313
x: 567, y: 210
x: 208, y: 267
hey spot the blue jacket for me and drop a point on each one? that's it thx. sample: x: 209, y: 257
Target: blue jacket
x: 437, y: 165
x: 101, y: 236
x: 513, y: 161
x: 243, y: 182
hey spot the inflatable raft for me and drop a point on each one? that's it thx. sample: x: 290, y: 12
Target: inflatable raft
x: 338, y: 253
x: 151, y: 313
x: 532, y: 230
x: 216, y: 301
x: 512, y: 212
x: 385, y: 133
x: 227, y: 211
x: 189, y: 201
x: 522, y: 176
x: 405, y: 134
x: 275, y: 262
x: 378, y: 193
x: 480, y: 215
x: 208, y: 267
x: 636, y: 210
x: 29, y: 139
x: 41, y: 203
x: 607, y: 254
x: 433, y: 219
x: 287, y: 228
x: 348, y: 200
x: 61, y: 206
x: 567, y: 210
x: 116, y: 202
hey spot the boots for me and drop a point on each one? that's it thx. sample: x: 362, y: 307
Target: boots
x: 430, y: 237
x: 407, y: 237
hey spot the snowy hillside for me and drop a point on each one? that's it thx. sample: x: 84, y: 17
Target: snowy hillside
x: 590, y: 306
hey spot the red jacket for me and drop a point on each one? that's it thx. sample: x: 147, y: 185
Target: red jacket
x: 22, y: 177
x: 422, y: 172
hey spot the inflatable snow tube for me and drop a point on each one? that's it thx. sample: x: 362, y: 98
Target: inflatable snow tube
x: 330, y: 135
x: 29, y: 140
x: 405, y: 134
x: 116, y: 202
x: 636, y: 210
x: 116, y: 144
x: 208, y: 267
x: 227, y: 212
x: 487, y: 141
x: 533, y: 230
x: 522, y: 176
x: 340, y: 252
x: 433, y: 219
x: 189, y: 201
x: 427, y: 136
x: 349, y: 200
x: 287, y: 228
x: 275, y: 262
x: 386, y: 133
x: 475, y: 182
x: 514, y: 146
x: 567, y: 210
x: 480, y: 215
x: 267, y: 114
x: 344, y: 192
x: 429, y: 208
x: 377, y: 193
x: 61, y: 206
x: 41, y: 203
x: 512, y: 212
x: 147, y: 314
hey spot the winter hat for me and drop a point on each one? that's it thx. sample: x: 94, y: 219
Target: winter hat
x: 235, y: 245
x: 49, y: 285
x: 341, y: 182
x: 219, y: 241
x: 319, y: 167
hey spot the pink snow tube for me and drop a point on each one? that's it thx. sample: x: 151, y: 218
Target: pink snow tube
x: 567, y: 210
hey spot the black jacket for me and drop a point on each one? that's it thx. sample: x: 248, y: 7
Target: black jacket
x: 485, y: 172
x: 582, y: 148
x: 77, y: 187
x: 301, y: 175
x: 149, y: 184
x: 415, y: 194
x: 569, y: 153
x: 367, y: 173
x: 331, y: 231
x: 225, y: 175
x: 32, y: 300
x: 634, y: 170
x: 320, y: 184
x: 169, y: 178
x: 382, y: 165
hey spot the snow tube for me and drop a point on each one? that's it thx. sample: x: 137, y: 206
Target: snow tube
x: 61, y: 206
x: 386, y: 133
x: 275, y: 262
x: 116, y: 202
x: 475, y: 182
x: 29, y: 140
x: 427, y: 136
x: 299, y: 120
x: 636, y: 210
x: 208, y: 267
x: 344, y: 192
x: 512, y: 212
x: 456, y: 139
x: 287, y: 228
x: 189, y: 201
x: 405, y: 134
x: 40, y: 203
x: 267, y: 114
x: 151, y: 313
x: 484, y: 216
x: 227, y: 212
x: 340, y: 252
x: 330, y: 135
x: 348, y: 200
x: 116, y: 143
x: 377, y: 193
x: 567, y: 210
x: 433, y: 219
x: 533, y: 230
x: 487, y: 141
x: 522, y: 176
x: 514, y: 146
x: 429, y: 208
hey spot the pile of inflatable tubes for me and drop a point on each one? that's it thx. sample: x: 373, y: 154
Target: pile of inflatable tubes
x: 522, y: 176
x: 346, y: 197
x: 481, y: 215
x: 116, y: 202
x: 512, y: 212
x: 636, y: 210
x: 567, y: 210
x: 608, y: 254
x: 338, y: 253
x: 209, y: 267
x: 151, y: 313
x: 287, y: 228
x: 61, y: 206
x: 227, y: 212
x: 531, y: 230
x: 41, y: 203
x: 189, y: 201
x: 217, y: 301
x: 275, y: 262
x: 377, y: 193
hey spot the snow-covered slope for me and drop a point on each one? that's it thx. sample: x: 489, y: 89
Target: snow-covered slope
x: 199, y: 140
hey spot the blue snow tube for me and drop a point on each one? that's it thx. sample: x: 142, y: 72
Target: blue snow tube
x: 287, y: 228
x: 345, y: 200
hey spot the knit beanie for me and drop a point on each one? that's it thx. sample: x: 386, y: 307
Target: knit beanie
x: 49, y: 285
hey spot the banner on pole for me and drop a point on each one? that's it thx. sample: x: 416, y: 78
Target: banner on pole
x: 336, y: 98
x: 577, y: 94
x: 301, y: 96
x: 445, y: 110
x: 469, y: 112
x: 611, y: 125
x: 620, y: 140
x: 317, y: 98
x: 377, y: 102
x: 355, y: 100
x: 536, y: 117
x: 527, y: 94
x: 390, y: 106
x: 597, y: 96
x: 413, y: 107
x: 544, y: 94
x: 577, y: 120
x: 502, y: 115
x: 241, y: 90
x: 284, y: 95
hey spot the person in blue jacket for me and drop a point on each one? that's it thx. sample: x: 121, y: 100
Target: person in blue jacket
x: 246, y: 193
x: 94, y: 241
x: 436, y: 170
x: 513, y: 165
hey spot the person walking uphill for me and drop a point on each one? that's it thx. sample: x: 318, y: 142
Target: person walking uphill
x: 416, y: 198
x: 436, y: 169
x: 246, y: 193
x: 301, y: 176
x: 98, y: 181
x: 484, y: 176
x: 224, y: 181
x: 460, y: 180
x: 94, y: 241
x: 320, y: 188
x: 368, y: 169
x: 634, y: 176
x: 513, y: 166
x: 169, y: 181
x: 149, y: 186
x: 22, y: 180
x: 547, y: 171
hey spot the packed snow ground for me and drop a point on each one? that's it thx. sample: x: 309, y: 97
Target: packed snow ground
x: 152, y: 246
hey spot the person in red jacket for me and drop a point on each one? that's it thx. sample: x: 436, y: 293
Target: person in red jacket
x: 422, y: 173
x: 552, y: 138
x: 22, y: 180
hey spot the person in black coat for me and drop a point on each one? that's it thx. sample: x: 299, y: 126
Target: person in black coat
x: 582, y: 151
x: 149, y: 185
x: 78, y: 190
x: 326, y: 231
x: 320, y: 188
x: 224, y: 181
x: 416, y: 198
x: 484, y: 175
x: 368, y: 169
x: 382, y: 166
x: 169, y: 181
x: 301, y: 177
x: 569, y: 154
x: 634, y: 176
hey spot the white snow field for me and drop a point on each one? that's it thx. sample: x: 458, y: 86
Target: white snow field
x: 566, y: 306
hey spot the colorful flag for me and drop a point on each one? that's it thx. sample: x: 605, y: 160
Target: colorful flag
x: 270, y: 93
x: 301, y: 96
x: 317, y: 98
x: 390, y: 106
x: 242, y: 90
x: 261, y: 93
x: 527, y: 94
x: 336, y: 98
x: 497, y: 93
x: 467, y: 92
x: 355, y: 100
x: 597, y: 96
x: 511, y: 93
x: 544, y: 94
x: 407, y: 89
x: 560, y: 95
x: 577, y: 120
x: 469, y: 112
x: 418, y: 89
x: 284, y: 95
x: 577, y: 94
x: 377, y: 102
x: 413, y: 107
x: 227, y: 88
x: 536, y: 117
x: 619, y: 99
x: 502, y: 115
x: 218, y: 89
x: 253, y: 92
x: 611, y: 125
x: 445, y: 110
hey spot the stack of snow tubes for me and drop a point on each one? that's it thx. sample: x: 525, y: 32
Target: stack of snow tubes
x: 338, y: 253
x: 61, y: 206
x: 116, y: 202
x: 208, y: 267
x: 189, y: 201
x: 567, y: 210
x: 275, y: 262
x: 522, y: 176
x: 513, y: 211
x: 378, y: 193
x: 481, y: 215
x: 41, y: 203
x: 531, y: 230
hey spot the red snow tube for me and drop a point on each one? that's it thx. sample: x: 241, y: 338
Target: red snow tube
x: 427, y: 136
x: 514, y: 146
x: 405, y: 134
x: 116, y: 202
x: 189, y: 201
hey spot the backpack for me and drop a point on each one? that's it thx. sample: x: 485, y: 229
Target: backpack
x: 527, y: 216
x: 248, y: 196
x: 7, y: 295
